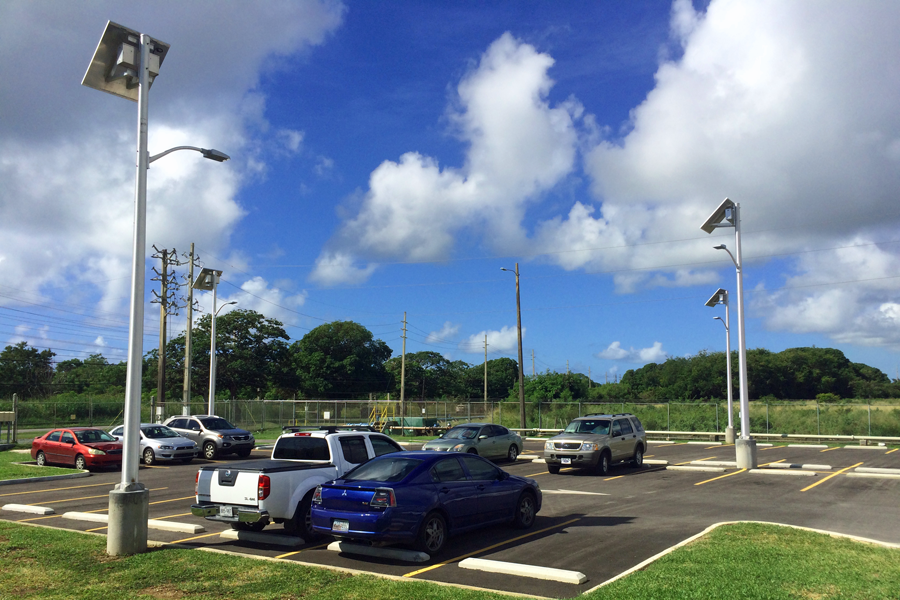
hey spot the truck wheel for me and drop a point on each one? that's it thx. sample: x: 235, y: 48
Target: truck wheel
x: 258, y: 526
x: 301, y: 523
x: 603, y: 464
x: 638, y: 459
x: 243, y: 453
x: 553, y: 469
x: 209, y: 450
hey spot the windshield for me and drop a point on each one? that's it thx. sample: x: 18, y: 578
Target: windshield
x: 158, y: 432
x: 91, y: 436
x: 461, y: 433
x: 389, y: 469
x: 216, y: 424
x: 600, y: 427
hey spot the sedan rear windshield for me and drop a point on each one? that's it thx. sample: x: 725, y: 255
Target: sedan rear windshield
x: 596, y: 426
x: 389, y: 469
x: 216, y: 424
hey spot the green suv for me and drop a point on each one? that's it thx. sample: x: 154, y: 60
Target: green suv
x: 597, y: 441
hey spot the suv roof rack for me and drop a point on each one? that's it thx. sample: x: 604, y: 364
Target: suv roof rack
x: 608, y: 415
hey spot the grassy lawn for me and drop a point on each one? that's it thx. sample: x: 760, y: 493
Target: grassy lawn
x: 8, y: 470
x: 736, y: 561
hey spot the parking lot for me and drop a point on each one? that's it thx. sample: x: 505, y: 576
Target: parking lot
x: 598, y: 526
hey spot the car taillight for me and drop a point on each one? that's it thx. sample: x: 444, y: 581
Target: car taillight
x: 317, y: 495
x: 383, y: 498
x: 264, y: 487
x: 197, y: 483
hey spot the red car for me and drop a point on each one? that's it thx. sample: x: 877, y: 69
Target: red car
x: 83, y: 447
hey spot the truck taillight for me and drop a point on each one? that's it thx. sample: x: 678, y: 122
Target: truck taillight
x: 197, y: 483
x: 265, y: 486
x: 383, y: 498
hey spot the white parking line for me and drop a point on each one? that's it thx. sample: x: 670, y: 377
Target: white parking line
x: 259, y: 537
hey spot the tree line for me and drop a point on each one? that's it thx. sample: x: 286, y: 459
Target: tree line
x: 343, y: 360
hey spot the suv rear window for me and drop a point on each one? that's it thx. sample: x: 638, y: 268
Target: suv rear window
x: 637, y: 424
x: 302, y: 448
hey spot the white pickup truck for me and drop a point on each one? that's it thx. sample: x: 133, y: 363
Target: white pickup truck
x: 251, y: 494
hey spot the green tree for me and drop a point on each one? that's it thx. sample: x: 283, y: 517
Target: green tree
x: 551, y: 386
x: 94, y: 375
x: 502, y: 375
x: 26, y: 371
x: 340, y: 359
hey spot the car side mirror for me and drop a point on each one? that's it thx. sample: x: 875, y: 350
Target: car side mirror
x: 504, y: 475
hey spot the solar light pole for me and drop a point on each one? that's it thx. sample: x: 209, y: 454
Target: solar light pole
x: 208, y: 280
x: 721, y: 297
x: 728, y: 214
x: 124, y: 64
x: 522, y: 424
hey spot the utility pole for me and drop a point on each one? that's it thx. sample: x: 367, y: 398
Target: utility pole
x: 189, y: 302
x: 532, y: 363
x: 165, y: 298
x: 589, y: 378
x: 485, y: 369
x: 403, y: 378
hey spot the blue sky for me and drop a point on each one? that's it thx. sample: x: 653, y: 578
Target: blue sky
x: 392, y: 157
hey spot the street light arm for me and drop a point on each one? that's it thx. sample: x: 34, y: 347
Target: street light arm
x: 723, y: 322
x: 207, y: 153
x: 224, y: 305
x: 723, y: 247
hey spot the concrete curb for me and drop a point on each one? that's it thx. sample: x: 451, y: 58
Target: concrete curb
x: 46, y: 478
x: 671, y: 549
x: 395, y: 553
x: 798, y: 466
x: 704, y: 443
x: 83, y: 516
x: 655, y: 461
x: 697, y: 469
x: 715, y: 463
x: 508, y: 568
x: 259, y: 537
x: 777, y: 472
x: 660, y: 442
x: 151, y: 523
x: 873, y: 475
x: 27, y: 508
x: 807, y: 445
x: 865, y: 447
x: 877, y: 470
x: 539, y: 460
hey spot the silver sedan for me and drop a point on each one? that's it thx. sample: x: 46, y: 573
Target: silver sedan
x: 485, y: 439
x: 159, y: 443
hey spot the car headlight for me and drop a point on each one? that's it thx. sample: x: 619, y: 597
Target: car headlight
x: 166, y: 447
x: 95, y: 452
x: 548, y: 445
x: 589, y: 446
x: 458, y: 448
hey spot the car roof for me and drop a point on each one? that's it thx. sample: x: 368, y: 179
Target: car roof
x: 472, y: 425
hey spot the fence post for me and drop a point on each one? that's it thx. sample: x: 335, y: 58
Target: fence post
x: 668, y: 416
x: 767, y: 416
x: 818, y: 425
x: 869, y: 410
x: 15, y: 418
x: 717, y: 416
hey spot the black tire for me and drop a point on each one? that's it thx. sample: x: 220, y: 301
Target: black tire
x: 243, y: 453
x: 41, y: 459
x: 526, y: 511
x: 258, y: 526
x: 603, y: 463
x: 301, y: 523
x: 148, y: 457
x: 472, y: 451
x: 209, y: 450
x: 432, y: 535
x: 553, y: 469
x: 80, y: 463
x: 638, y: 459
x: 513, y: 453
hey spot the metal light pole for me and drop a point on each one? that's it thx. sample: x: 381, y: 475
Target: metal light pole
x: 519, y: 328
x: 728, y: 214
x: 721, y: 297
x: 208, y: 280
x: 125, y: 64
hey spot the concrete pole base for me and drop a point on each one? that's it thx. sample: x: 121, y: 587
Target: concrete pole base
x: 729, y: 435
x: 745, y: 451
x: 128, y: 513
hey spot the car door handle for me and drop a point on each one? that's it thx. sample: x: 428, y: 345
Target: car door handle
x: 480, y: 487
x: 445, y: 490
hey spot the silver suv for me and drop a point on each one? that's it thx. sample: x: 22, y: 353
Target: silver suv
x: 597, y: 441
x: 214, y: 435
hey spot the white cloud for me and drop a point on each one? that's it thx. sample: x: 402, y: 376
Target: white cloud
x: 518, y: 147
x: 447, y: 332
x: 616, y: 352
x: 256, y: 294
x: 505, y: 340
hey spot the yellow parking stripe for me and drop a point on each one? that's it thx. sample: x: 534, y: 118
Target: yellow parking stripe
x: 772, y: 448
x: 824, y: 479
x: 611, y: 478
x: 894, y: 450
x: 74, y: 487
x: 829, y: 449
x: 697, y: 460
x: 721, y: 477
x: 38, y: 518
x: 515, y: 539
x: 547, y: 472
x: 195, y: 538
x: 774, y: 462
x: 84, y: 498
x: 97, y: 528
x: 174, y: 499
x: 172, y: 516
x: 299, y: 551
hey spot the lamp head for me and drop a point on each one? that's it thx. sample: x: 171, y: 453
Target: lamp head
x: 720, y: 247
x: 503, y: 269
x: 214, y: 155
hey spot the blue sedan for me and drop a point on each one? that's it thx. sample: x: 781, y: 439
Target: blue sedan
x: 421, y: 498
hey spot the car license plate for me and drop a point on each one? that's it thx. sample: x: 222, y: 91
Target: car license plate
x: 339, y: 525
x: 566, y: 461
x: 225, y: 511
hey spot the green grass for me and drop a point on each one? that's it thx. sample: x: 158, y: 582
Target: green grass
x: 751, y: 561
x: 8, y: 470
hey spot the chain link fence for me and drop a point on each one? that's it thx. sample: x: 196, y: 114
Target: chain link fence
x: 792, y: 417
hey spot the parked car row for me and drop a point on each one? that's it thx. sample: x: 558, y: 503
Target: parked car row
x: 180, y: 438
